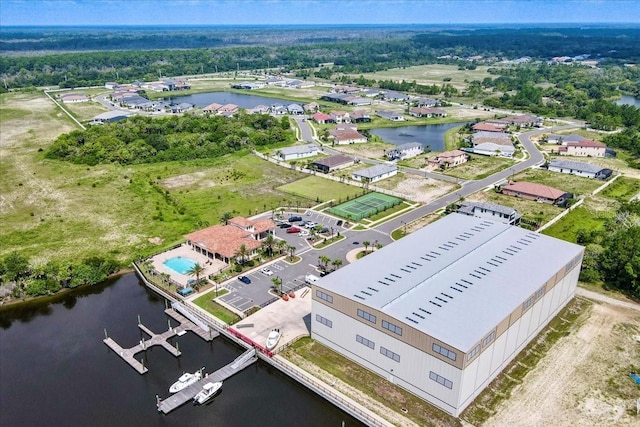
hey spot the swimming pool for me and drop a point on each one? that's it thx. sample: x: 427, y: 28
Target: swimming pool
x: 180, y: 264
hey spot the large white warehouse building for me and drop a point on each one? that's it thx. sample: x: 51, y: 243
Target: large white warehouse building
x: 442, y: 311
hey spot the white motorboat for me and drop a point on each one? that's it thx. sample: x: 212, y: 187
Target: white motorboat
x: 207, y: 392
x: 185, y: 381
x: 273, y: 338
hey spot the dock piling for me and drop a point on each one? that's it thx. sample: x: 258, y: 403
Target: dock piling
x: 139, y: 322
x: 105, y: 334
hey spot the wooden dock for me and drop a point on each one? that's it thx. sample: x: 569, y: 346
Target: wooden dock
x: 128, y: 354
x: 176, y: 400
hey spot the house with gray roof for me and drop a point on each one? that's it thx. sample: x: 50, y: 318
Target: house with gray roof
x: 553, y: 138
x: 391, y: 115
x: 490, y: 211
x: 332, y: 163
x: 375, y: 173
x: 405, y: 151
x: 580, y: 169
x: 295, y: 109
x: 297, y: 152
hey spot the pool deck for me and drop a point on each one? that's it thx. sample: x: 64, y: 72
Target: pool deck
x: 210, y: 266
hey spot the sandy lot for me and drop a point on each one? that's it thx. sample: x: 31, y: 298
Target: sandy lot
x: 419, y: 189
x: 583, y: 380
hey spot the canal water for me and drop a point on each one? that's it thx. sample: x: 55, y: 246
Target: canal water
x: 430, y: 136
x: 56, y: 371
x: 201, y: 100
x: 629, y: 100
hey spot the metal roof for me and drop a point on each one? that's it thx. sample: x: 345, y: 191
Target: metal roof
x: 507, y: 210
x: 456, y: 279
x: 408, y: 146
x: 576, y: 166
x: 299, y: 149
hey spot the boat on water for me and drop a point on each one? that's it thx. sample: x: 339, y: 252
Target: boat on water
x: 185, y: 381
x: 273, y: 338
x: 207, y: 392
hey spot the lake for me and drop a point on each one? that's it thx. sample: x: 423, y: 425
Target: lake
x: 431, y: 136
x: 201, y: 100
x: 629, y: 100
x: 56, y: 371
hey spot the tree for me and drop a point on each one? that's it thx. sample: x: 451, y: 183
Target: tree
x: 620, y: 261
x: 325, y: 260
x: 336, y: 263
x: 277, y: 283
x: 268, y: 243
x: 366, y: 244
x: 242, y: 253
x: 225, y: 217
x: 16, y: 265
x: 196, y: 270
x: 292, y: 251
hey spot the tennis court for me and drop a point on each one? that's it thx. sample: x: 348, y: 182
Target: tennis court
x: 365, y: 206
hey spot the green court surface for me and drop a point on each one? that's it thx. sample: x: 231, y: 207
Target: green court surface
x: 365, y: 206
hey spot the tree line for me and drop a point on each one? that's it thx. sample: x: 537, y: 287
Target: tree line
x: 143, y: 139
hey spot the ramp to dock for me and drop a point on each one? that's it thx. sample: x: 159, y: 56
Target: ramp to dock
x: 176, y: 400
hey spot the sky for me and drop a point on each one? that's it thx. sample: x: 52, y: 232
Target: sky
x: 283, y: 12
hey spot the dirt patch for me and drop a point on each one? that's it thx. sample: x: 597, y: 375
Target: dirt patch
x: 155, y: 240
x: 422, y: 190
x: 583, y: 379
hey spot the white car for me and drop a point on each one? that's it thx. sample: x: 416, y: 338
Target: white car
x: 310, y: 225
x: 303, y: 233
x: 266, y: 271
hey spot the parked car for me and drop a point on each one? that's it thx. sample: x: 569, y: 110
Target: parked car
x: 266, y: 271
x: 339, y: 223
x: 285, y: 225
x: 244, y: 279
x: 293, y: 230
x: 303, y: 233
x: 310, y: 225
x: 295, y: 218
x: 324, y: 230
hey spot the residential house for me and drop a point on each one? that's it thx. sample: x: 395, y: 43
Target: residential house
x: 358, y: 101
x: 375, y: 173
x: 249, y: 85
x: 347, y: 136
x: 226, y: 242
x: 340, y: 116
x: 297, y: 152
x: 181, y: 107
x: 322, y: 118
x: 272, y: 80
x: 580, y: 169
x: 427, y: 112
x: 228, y: 110
x: 395, y: 96
x: 405, y: 151
x: 346, y: 89
x: 492, y: 149
x: 110, y: 117
x: 487, y: 127
x: 311, y: 107
x: 332, y: 163
x: 212, y: 108
x: 524, y: 120
x: 295, y: 109
x: 537, y: 192
x: 426, y: 102
x: 391, y: 115
x: 300, y: 84
x: 371, y: 93
x: 449, y: 159
x: 564, y: 139
x: 359, y: 116
x: 490, y: 211
x: 111, y: 85
x: 584, y: 148
x: 339, y: 98
x: 258, y: 109
x: 69, y: 98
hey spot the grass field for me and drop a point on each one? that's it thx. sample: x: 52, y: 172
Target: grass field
x: 622, y: 189
x: 530, y: 210
x: 431, y: 74
x: 479, y: 167
x: 581, y: 218
x: 85, y: 111
x: 52, y: 209
x: 320, y: 189
x: 207, y: 303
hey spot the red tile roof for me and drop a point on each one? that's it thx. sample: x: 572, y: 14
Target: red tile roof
x: 533, y: 189
x: 448, y: 154
x: 487, y: 127
x: 321, y: 117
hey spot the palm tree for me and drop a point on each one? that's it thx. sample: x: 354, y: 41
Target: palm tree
x: 336, y: 263
x: 225, y: 217
x: 277, y: 283
x: 242, y: 253
x: 282, y: 245
x: 378, y: 245
x: 366, y: 244
x: 196, y: 270
x: 292, y: 251
x: 268, y: 243
x: 325, y: 260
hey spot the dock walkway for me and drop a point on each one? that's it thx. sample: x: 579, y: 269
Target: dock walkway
x: 128, y: 354
x: 176, y: 400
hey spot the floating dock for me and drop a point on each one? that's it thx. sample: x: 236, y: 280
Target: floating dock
x: 127, y: 354
x: 176, y: 400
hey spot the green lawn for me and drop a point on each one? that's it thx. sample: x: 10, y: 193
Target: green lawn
x: 623, y: 189
x: 320, y: 189
x: 580, y: 218
x: 207, y: 303
x: 85, y: 111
